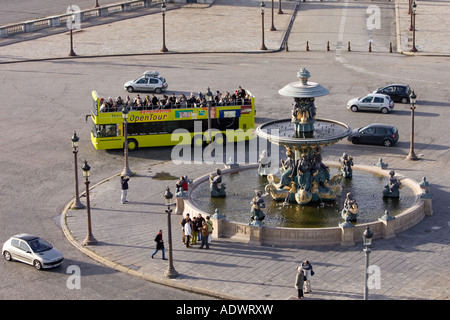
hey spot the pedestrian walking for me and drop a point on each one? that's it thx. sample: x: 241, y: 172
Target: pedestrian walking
x: 183, y: 222
x: 308, y: 270
x: 159, y: 245
x: 299, y: 281
x: 205, y: 234
x: 209, y: 223
x: 188, y: 231
x: 124, y: 183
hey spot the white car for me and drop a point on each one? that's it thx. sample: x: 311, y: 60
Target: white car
x: 372, y: 102
x: 151, y: 81
x: 32, y: 250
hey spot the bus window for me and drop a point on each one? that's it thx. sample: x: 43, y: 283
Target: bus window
x: 107, y: 130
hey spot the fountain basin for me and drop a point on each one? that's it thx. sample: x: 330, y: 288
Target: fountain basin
x: 405, y: 217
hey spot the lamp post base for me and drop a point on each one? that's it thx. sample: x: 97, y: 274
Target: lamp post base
x: 90, y: 240
x: 126, y: 172
x: 171, y: 273
x: 412, y: 156
x: 77, y: 205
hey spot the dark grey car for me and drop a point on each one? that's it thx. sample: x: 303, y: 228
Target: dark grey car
x: 375, y: 133
x: 397, y: 92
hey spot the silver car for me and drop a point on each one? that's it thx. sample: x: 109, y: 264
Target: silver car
x: 372, y: 102
x: 151, y: 81
x: 32, y: 250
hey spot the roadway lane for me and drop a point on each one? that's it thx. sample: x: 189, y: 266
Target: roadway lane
x: 343, y: 21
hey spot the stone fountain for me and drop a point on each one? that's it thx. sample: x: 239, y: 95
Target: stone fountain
x: 304, y: 177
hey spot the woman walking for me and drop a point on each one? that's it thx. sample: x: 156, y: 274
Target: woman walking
x: 299, y: 280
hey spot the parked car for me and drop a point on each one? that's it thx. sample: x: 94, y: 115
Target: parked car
x: 372, y: 102
x: 375, y: 133
x: 32, y: 250
x: 397, y: 92
x: 151, y: 81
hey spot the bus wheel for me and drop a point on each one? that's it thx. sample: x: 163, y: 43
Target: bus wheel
x: 132, y: 145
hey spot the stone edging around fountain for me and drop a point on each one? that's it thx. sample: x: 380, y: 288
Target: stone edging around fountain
x: 243, y: 232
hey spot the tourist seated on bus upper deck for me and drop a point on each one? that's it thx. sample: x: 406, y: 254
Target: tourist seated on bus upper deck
x: 155, y: 100
x: 173, y: 99
x: 119, y: 102
x: 241, y: 93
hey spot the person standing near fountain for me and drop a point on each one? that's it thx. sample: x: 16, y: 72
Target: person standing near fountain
x: 308, y: 271
x: 299, y: 282
x: 188, y: 231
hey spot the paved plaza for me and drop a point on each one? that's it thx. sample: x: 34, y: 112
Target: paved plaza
x: 414, y: 265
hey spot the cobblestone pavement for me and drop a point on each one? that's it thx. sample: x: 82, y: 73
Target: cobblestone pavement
x: 414, y: 265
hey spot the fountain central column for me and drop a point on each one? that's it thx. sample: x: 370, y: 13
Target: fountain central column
x: 304, y: 177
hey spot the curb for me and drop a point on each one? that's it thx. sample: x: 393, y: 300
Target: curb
x: 121, y: 268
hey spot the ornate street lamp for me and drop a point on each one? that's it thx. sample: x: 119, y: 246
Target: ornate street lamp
x: 89, y: 240
x: 367, y: 242
x: 126, y: 170
x: 170, y: 272
x: 71, y: 20
x: 272, y: 27
x: 209, y: 99
x: 77, y: 203
x: 262, y: 6
x: 414, y: 6
x: 163, y: 10
x: 412, y: 155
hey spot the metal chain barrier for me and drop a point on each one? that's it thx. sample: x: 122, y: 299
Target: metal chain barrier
x: 330, y: 46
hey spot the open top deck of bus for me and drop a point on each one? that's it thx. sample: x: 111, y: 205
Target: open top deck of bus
x: 169, y: 124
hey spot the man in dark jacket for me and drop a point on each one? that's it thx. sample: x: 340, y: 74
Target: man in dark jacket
x: 159, y: 244
x: 124, y: 183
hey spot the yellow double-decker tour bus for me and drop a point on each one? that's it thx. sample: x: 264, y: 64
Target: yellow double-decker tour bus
x: 171, y: 121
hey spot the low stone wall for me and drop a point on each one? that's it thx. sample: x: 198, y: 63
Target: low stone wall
x: 79, y: 16
x: 383, y: 228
